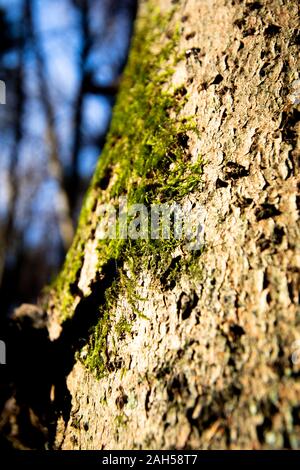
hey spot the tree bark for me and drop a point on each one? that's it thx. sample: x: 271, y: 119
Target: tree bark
x: 192, y: 350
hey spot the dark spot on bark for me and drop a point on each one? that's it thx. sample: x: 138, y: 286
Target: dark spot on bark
x: 277, y: 48
x: 218, y: 79
x: 122, y: 399
x: 180, y: 353
x: 104, y: 181
x: 288, y: 123
x: 177, y: 387
x: 203, y: 86
x: 180, y: 92
x: 241, y: 46
x: 118, y: 363
x: 263, y: 243
x: 272, y: 30
x: 296, y: 415
x: 263, y: 428
x: 236, y: 332
x: 186, y: 304
x: 74, y: 440
x: 296, y: 38
x: 244, y: 202
x: 75, y: 423
x: 147, y: 401
x: 291, y: 291
x: 265, y: 211
x: 194, y: 51
x: 184, y: 18
x: 221, y: 184
x: 254, y: 6
x: 268, y: 410
x: 183, y: 140
x: 86, y: 426
x: 233, y: 171
x: 262, y: 71
x: 277, y: 235
x: 266, y: 281
x: 240, y: 22
x: 190, y: 35
x: 285, y: 67
x: 222, y: 91
x: 163, y: 372
x: 110, y: 366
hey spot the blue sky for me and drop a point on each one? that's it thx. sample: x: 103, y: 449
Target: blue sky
x: 57, y: 26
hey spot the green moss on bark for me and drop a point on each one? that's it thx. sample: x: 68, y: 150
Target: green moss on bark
x: 144, y: 159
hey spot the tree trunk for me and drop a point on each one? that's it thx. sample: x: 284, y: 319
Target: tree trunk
x: 164, y: 346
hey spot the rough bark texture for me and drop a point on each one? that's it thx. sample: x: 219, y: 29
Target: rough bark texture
x: 207, y: 362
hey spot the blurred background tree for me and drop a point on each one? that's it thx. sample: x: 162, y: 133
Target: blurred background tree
x: 61, y: 61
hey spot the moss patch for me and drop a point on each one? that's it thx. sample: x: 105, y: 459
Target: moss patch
x: 145, y: 159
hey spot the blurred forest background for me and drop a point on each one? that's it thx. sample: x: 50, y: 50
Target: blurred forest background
x: 61, y: 61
